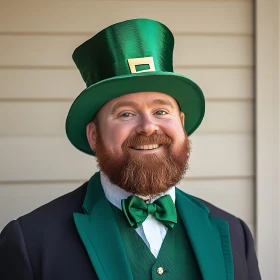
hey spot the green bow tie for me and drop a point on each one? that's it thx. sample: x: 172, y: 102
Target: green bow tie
x: 136, y: 210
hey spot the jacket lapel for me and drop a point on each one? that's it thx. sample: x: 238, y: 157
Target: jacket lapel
x: 209, y: 237
x: 99, y: 232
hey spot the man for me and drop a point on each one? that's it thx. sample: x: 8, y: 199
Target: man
x: 130, y: 221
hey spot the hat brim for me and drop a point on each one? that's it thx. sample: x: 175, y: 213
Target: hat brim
x: 185, y: 91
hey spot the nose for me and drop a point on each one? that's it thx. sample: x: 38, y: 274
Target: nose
x: 147, y: 126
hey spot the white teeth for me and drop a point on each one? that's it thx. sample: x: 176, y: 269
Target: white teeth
x: 147, y: 147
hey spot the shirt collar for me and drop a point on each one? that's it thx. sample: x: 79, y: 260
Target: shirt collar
x: 115, y: 194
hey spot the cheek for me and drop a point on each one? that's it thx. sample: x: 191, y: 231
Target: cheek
x: 116, y: 135
x: 174, y: 129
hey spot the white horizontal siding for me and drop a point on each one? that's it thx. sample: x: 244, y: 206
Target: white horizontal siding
x: 28, y: 196
x: 38, y: 82
x: 229, y: 189
x: 227, y: 117
x: 48, y: 118
x: 56, y: 84
x: 54, y: 158
x: 234, y: 195
x: 56, y: 51
x: 91, y: 16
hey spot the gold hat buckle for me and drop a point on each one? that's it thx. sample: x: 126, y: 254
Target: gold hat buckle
x: 133, y: 62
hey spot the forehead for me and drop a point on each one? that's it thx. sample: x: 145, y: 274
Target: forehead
x: 144, y: 98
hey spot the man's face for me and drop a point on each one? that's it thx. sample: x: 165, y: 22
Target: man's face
x: 140, y: 142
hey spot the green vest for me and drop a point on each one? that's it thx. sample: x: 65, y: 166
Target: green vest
x: 100, y: 234
x: 176, y: 259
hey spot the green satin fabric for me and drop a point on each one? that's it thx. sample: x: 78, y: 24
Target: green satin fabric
x: 106, y: 54
x: 104, y: 62
x: 136, y: 210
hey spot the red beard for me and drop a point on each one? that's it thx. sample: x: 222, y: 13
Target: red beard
x: 145, y: 175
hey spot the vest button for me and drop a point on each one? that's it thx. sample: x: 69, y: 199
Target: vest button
x: 160, y: 270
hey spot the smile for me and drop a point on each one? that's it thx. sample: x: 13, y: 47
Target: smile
x: 146, y: 147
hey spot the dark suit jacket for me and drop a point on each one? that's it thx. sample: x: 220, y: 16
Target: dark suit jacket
x: 45, y: 244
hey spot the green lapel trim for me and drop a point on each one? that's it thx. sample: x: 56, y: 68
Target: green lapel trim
x: 99, y: 232
x: 209, y: 237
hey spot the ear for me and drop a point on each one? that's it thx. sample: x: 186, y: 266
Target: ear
x: 91, y: 135
x: 182, y: 117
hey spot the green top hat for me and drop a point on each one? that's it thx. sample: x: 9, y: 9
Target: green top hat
x: 128, y: 57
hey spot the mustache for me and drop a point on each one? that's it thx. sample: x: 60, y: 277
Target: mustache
x: 141, y: 140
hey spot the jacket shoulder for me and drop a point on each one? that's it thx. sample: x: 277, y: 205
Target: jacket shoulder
x: 242, y: 242
x: 237, y: 227
x: 61, y: 208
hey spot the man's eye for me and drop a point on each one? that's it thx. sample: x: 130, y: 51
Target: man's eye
x: 126, y: 115
x: 161, y: 112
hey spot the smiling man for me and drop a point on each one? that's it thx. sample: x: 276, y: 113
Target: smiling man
x: 129, y: 221
x: 143, y: 146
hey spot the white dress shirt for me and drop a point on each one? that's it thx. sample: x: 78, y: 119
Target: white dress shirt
x: 151, y: 231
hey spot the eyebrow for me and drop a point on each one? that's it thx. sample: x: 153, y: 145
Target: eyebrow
x: 135, y: 104
x: 122, y: 104
x: 163, y: 102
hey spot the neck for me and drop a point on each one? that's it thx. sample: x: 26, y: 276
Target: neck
x: 115, y: 193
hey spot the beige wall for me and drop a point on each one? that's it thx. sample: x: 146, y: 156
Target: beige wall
x: 268, y: 136
x: 38, y: 81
